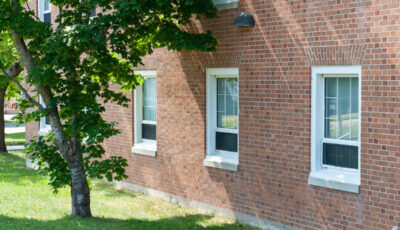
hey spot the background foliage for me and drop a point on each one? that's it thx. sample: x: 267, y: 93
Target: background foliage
x: 8, y: 55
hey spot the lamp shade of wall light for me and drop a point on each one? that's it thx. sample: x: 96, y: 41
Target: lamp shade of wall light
x: 244, y: 19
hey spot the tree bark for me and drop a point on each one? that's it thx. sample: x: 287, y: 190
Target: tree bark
x: 80, y: 192
x: 3, y: 147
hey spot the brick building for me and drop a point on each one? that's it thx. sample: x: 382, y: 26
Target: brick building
x: 292, y: 123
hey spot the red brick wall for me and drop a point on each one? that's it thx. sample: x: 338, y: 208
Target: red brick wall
x: 274, y: 60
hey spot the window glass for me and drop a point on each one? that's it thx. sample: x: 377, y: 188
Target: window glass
x: 46, y: 6
x: 219, y: 2
x: 227, y: 103
x: 47, y: 17
x: 149, y: 99
x: 341, y: 108
x: 226, y: 141
x: 227, y: 114
x: 46, y: 12
x: 149, y: 131
x: 340, y: 155
x: 93, y: 13
x: 341, y: 121
x: 354, y: 109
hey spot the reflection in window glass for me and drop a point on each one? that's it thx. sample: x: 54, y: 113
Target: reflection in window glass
x: 46, y: 6
x: 341, y: 121
x: 149, y: 99
x: 341, y: 108
x: 227, y: 103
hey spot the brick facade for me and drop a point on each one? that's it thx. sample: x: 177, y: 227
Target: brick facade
x: 274, y: 60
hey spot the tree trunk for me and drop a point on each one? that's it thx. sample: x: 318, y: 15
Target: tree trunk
x: 80, y: 193
x: 3, y: 147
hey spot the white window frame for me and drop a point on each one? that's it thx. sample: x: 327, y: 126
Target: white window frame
x: 340, y: 178
x: 44, y: 128
x: 41, y: 10
x: 216, y: 158
x: 143, y: 146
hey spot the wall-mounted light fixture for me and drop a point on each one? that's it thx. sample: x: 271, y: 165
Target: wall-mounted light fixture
x: 244, y: 19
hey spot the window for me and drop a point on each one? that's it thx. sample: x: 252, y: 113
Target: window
x: 93, y: 13
x: 222, y: 118
x: 227, y: 113
x: 44, y: 11
x: 226, y: 4
x: 145, y: 115
x: 340, y: 142
x: 44, y: 124
x: 149, y: 110
x: 336, y: 127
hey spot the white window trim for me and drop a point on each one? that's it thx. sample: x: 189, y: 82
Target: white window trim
x: 44, y: 129
x: 143, y: 147
x: 214, y: 158
x: 226, y: 4
x: 331, y: 177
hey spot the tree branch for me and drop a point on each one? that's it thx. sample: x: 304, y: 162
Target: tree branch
x: 11, y: 73
x: 29, y: 8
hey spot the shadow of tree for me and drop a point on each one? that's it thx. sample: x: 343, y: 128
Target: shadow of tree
x: 12, y: 169
x: 178, y: 222
x: 14, y: 172
x: 111, y: 191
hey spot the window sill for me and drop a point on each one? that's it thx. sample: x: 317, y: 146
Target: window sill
x: 222, y: 162
x: 44, y: 131
x: 336, y: 179
x: 226, y: 4
x: 145, y: 149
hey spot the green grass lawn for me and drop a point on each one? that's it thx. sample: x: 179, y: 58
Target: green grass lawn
x: 10, y: 121
x: 15, y: 138
x: 27, y: 202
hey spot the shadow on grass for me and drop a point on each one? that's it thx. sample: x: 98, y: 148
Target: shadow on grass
x: 13, y: 170
x: 178, y: 222
x: 112, y: 191
x: 15, y: 138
